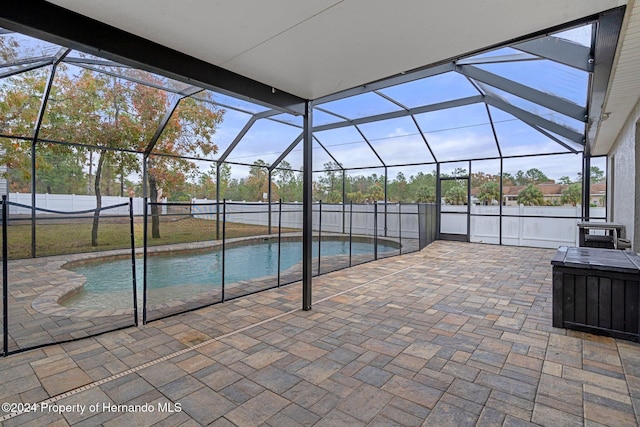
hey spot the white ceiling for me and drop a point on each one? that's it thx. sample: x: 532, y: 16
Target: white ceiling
x: 315, y: 48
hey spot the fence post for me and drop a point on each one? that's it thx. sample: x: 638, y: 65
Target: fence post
x: 319, y: 233
x: 400, y: 226
x: 5, y: 278
x: 520, y: 224
x: 472, y: 222
x: 375, y: 230
x: 350, y: 229
x: 279, y: 237
x: 224, y: 235
x: 145, y: 215
x: 133, y: 263
x: 575, y: 229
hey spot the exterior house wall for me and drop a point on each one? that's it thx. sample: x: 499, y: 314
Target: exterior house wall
x: 624, y: 162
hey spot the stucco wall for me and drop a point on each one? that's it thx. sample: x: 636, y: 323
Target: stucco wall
x: 624, y: 166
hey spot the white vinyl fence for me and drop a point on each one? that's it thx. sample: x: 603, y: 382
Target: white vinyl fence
x: 526, y: 225
x: 335, y: 218
x: 71, y: 203
x: 537, y: 226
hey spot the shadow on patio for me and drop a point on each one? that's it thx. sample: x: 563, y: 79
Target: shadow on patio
x: 456, y: 334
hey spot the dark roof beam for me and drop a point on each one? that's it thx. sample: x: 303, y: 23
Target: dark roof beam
x: 391, y: 81
x: 244, y: 131
x: 606, y: 42
x: 25, y: 61
x: 403, y: 113
x: 554, y: 103
x: 329, y: 153
x: 548, y: 135
x: 371, y: 146
x: 286, y: 152
x: 24, y: 68
x: 55, y: 24
x: 516, y: 57
x: 559, y: 50
x: 125, y: 77
x: 93, y: 61
x: 390, y: 99
x: 533, y: 119
x: 424, y: 138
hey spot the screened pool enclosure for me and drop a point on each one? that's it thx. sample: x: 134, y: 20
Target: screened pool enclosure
x: 106, y: 162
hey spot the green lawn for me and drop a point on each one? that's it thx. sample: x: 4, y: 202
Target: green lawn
x: 57, y: 238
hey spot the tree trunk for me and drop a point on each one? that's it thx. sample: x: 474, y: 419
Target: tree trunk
x: 96, y: 215
x: 155, y: 209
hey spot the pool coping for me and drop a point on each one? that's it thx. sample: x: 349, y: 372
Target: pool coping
x: 49, y: 302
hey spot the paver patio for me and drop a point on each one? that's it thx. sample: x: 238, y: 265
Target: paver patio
x: 456, y: 334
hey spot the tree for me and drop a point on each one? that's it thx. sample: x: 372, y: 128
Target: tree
x: 572, y: 194
x: 508, y: 179
x: 223, y: 179
x: 188, y: 133
x: 60, y: 173
x: 456, y: 195
x: 422, y: 187
x: 20, y: 99
x: 479, y: 178
x: 565, y: 180
x: 330, y: 183
x: 375, y: 193
x: 108, y: 118
x: 288, y: 183
x: 595, y: 175
x: 531, y: 176
x: 489, y: 191
x: 257, y: 181
x: 536, y: 176
x: 531, y: 196
x: 398, y: 189
x: 99, y: 110
x: 425, y: 194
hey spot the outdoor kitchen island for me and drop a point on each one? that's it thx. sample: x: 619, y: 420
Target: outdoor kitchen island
x: 596, y: 290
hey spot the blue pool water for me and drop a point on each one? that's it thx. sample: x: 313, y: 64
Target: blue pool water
x: 201, y: 272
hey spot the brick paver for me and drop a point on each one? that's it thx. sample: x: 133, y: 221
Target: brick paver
x: 457, y: 334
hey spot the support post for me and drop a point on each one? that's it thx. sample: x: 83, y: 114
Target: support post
x: 400, y: 226
x: 386, y: 200
x: 375, y: 230
x: 307, y: 211
x: 279, y: 238
x: 224, y: 232
x: 344, y: 198
x: 501, y: 197
x: 133, y: 262
x: 269, y: 201
x: 319, y: 234
x: 586, y: 184
x: 350, y: 231
x: 5, y: 279
x: 145, y: 228
x: 217, y: 200
x: 438, y: 200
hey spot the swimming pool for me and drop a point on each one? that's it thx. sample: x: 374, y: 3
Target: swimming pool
x: 109, y: 283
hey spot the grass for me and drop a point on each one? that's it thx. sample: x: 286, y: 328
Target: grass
x: 58, y: 238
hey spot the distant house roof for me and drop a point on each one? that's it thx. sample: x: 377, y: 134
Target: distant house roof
x: 548, y: 189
